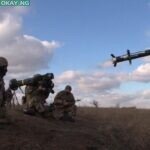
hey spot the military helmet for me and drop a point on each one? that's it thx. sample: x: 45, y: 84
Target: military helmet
x: 68, y: 88
x: 3, y: 62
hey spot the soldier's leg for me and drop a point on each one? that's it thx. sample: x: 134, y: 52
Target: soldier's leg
x: 58, y: 112
x: 72, y: 110
x: 29, y: 107
x: 40, y: 109
x: 69, y: 113
x: 2, y: 112
x: 67, y: 117
x: 4, y: 119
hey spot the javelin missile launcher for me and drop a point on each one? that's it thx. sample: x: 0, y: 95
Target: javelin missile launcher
x: 129, y: 56
x: 37, y: 80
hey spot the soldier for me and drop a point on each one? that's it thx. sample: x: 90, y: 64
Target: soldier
x: 4, y: 95
x: 35, y: 98
x: 9, y: 98
x: 64, y: 104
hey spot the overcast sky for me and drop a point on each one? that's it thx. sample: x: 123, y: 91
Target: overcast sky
x: 74, y: 40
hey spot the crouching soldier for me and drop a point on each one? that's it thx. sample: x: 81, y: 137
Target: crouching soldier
x: 37, y: 91
x: 36, y: 95
x: 4, y: 95
x: 64, y: 105
x: 34, y: 100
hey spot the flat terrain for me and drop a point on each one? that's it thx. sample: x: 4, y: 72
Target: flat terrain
x: 94, y: 129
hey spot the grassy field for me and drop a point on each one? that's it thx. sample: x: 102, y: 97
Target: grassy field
x: 120, y: 129
x: 94, y: 129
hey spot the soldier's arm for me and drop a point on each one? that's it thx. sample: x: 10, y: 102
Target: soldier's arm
x: 70, y: 100
x: 58, y: 100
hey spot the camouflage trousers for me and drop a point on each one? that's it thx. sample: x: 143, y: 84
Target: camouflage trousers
x: 59, y: 111
x: 4, y: 118
x: 2, y: 112
x: 35, y: 104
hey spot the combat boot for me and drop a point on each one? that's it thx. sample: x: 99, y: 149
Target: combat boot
x: 29, y: 112
x: 66, y: 117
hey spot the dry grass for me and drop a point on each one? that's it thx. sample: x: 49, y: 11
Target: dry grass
x: 94, y: 129
x: 120, y: 129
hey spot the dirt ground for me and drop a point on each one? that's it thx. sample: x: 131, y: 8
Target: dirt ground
x: 94, y: 129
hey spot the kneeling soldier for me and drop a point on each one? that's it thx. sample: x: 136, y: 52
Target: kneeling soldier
x: 64, y: 104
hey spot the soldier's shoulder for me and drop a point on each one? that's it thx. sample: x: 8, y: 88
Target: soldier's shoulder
x: 62, y: 93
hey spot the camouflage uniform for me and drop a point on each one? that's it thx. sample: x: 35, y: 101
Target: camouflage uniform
x: 35, y: 98
x: 64, y: 104
x: 4, y: 95
x: 9, y: 98
x: 2, y: 99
